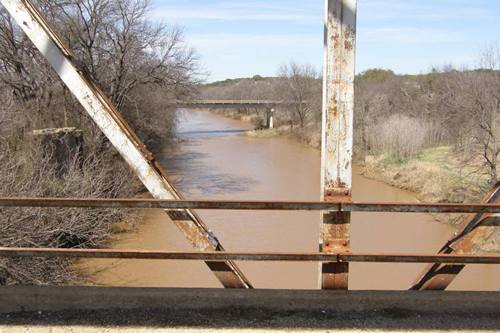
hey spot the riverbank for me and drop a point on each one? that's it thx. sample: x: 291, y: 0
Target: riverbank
x: 437, y: 174
x: 309, y: 135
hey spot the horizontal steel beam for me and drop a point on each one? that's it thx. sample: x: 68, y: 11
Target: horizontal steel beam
x: 244, y: 256
x: 249, y: 205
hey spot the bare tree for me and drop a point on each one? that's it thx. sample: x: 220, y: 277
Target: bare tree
x: 370, y: 102
x: 301, y: 85
x: 117, y: 37
x: 474, y: 97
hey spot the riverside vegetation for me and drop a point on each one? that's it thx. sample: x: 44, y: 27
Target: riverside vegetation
x: 141, y: 65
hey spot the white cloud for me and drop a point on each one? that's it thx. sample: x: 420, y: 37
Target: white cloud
x: 408, y: 35
x: 419, y: 10
x: 227, y: 15
x: 236, y: 11
x: 238, y: 55
x: 237, y: 42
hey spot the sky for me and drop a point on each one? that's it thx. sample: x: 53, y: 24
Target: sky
x: 242, y: 38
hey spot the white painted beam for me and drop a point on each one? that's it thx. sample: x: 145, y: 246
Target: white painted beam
x: 338, y: 97
x: 337, y: 134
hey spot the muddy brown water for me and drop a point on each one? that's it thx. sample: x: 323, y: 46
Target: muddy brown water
x: 215, y: 160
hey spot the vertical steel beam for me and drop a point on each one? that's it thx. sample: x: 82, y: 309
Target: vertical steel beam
x: 337, y: 136
x: 105, y: 115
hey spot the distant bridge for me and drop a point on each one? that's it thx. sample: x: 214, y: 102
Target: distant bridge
x: 230, y: 104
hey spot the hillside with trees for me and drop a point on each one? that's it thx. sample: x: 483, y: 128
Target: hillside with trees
x: 435, y: 134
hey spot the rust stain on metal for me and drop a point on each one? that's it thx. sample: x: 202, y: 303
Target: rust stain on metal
x: 336, y: 239
x: 348, y: 45
x: 349, y: 38
x: 335, y: 38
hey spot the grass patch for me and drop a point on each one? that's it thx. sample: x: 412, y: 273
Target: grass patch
x: 437, y: 175
x: 264, y: 133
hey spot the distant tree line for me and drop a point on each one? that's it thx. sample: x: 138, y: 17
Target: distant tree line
x: 397, y: 115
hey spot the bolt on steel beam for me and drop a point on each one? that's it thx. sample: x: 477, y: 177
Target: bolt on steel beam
x: 109, y: 120
x: 337, y: 134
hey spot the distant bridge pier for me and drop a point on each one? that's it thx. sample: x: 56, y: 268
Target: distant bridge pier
x: 266, y: 106
x: 337, y: 135
x: 270, y: 118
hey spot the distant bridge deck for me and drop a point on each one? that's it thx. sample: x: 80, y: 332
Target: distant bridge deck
x: 234, y: 103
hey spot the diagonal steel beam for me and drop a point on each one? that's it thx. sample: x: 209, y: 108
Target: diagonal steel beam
x: 480, y: 227
x: 109, y: 120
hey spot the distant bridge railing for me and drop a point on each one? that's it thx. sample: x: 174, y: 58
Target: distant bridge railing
x: 236, y: 103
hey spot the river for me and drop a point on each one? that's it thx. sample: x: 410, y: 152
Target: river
x: 215, y: 160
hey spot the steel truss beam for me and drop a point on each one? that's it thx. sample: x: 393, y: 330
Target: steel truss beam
x: 337, y: 134
x: 109, y: 120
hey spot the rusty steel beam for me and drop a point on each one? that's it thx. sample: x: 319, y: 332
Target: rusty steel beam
x: 337, y: 134
x: 248, y: 205
x: 246, y: 256
x: 481, y: 226
x: 109, y: 120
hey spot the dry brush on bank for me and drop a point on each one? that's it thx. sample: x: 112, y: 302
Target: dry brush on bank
x: 140, y: 64
x: 30, y: 174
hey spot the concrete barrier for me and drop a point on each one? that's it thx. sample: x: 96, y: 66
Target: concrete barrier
x: 19, y: 299
x: 31, y: 308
